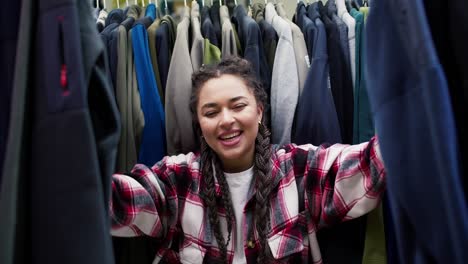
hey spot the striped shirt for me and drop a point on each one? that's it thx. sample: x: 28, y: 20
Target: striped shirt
x: 314, y: 187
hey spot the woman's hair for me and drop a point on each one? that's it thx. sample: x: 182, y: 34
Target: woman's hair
x: 210, y: 161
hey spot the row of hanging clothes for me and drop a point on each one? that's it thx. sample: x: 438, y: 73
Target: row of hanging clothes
x: 152, y: 57
x: 311, y: 67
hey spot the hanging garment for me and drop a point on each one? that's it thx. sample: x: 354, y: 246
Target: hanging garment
x: 285, y: 81
x: 268, y: 33
x: 165, y: 39
x: 179, y: 132
x: 152, y: 147
x: 110, y: 36
x: 340, y: 75
x: 375, y: 246
x: 307, y: 26
x: 66, y: 157
x: 14, y: 189
x: 130, y: 250
x: 154, y: 55
x: 9, y: 15
x: 350, y: 23
x: 316, y: 118
x: 215, y: 16
x: 229, y: 40
x: 412, y: 108
x: 207, y: 27
x: 300, y: 48
x: 128, y: 96
x: 450, y: 34
x: 196, y: 51
x: 251, y: 42
x: 363, y: 121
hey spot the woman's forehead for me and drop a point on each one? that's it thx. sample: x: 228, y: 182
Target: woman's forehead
x: 223, y: 88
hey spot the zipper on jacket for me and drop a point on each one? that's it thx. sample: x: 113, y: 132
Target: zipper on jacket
x: 63, y: 65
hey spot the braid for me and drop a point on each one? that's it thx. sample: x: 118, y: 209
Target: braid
x: 209, y: 197
x: 263, y: 184
x: 226, y: 196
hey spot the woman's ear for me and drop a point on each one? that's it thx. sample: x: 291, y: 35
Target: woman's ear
x: 260, y: 112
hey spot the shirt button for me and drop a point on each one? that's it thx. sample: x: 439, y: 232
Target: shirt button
x: 251, y: 244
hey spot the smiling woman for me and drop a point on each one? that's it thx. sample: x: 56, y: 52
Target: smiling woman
x: 241, y: 199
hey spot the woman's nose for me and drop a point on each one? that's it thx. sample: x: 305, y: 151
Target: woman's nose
x: 227, y: 118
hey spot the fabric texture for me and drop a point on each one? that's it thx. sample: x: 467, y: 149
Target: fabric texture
x: 179, y: 132
x: 198, y: 42
x: 411, y: 105
x: 9, y: 15
x: 340, y: 75
x: 165, y: 40
x: 269, y: 36
x: 152, y: 147
x: 316, y: 118
x: 284, y: 82
x: 251, y: 43
x: 228, y: 36
x: 312, y: 189
x: 207, y: 27
x: 300, y: 48
x: 450, y: 34
x: 154, y: 55
x: 72, y: 183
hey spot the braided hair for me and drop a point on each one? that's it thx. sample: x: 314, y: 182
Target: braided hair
x: 210, y: 161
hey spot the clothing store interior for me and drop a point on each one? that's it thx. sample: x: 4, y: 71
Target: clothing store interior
x: 345, y: 119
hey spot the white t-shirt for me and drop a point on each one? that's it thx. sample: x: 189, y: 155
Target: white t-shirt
x: 239, y: 184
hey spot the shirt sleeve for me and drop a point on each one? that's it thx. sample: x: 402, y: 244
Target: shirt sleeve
x: 344, y: 181
x: 143, y: 201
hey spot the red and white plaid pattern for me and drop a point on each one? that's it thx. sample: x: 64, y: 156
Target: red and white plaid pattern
x: 313, y: 187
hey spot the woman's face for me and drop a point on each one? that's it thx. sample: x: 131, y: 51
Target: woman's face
x: 228, y: 115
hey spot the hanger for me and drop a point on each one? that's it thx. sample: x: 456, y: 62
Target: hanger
x: 136, y: 3
x: 97, y: 4
x: 127, y: 3
x: 203, y: 3
x: 165, y: 8
x: 366, y: 3
x: 143, y: 3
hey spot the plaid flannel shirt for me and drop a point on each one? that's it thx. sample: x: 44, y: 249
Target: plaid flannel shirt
x: 314, y: 187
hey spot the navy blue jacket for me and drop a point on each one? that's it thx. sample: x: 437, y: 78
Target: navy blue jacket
x: 68, y: 144
x: 340, y: 76
x: 251, y: 42
x: 207, y: 27
x: 165, y: 39
x: 307, y: 27
x: 450, y: 34
x: 316, y: 119
x: 415, y: 123
x: 9, y: 15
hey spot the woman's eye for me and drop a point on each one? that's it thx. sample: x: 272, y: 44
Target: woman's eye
x: 210, y: 114
x: 240, y: 106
